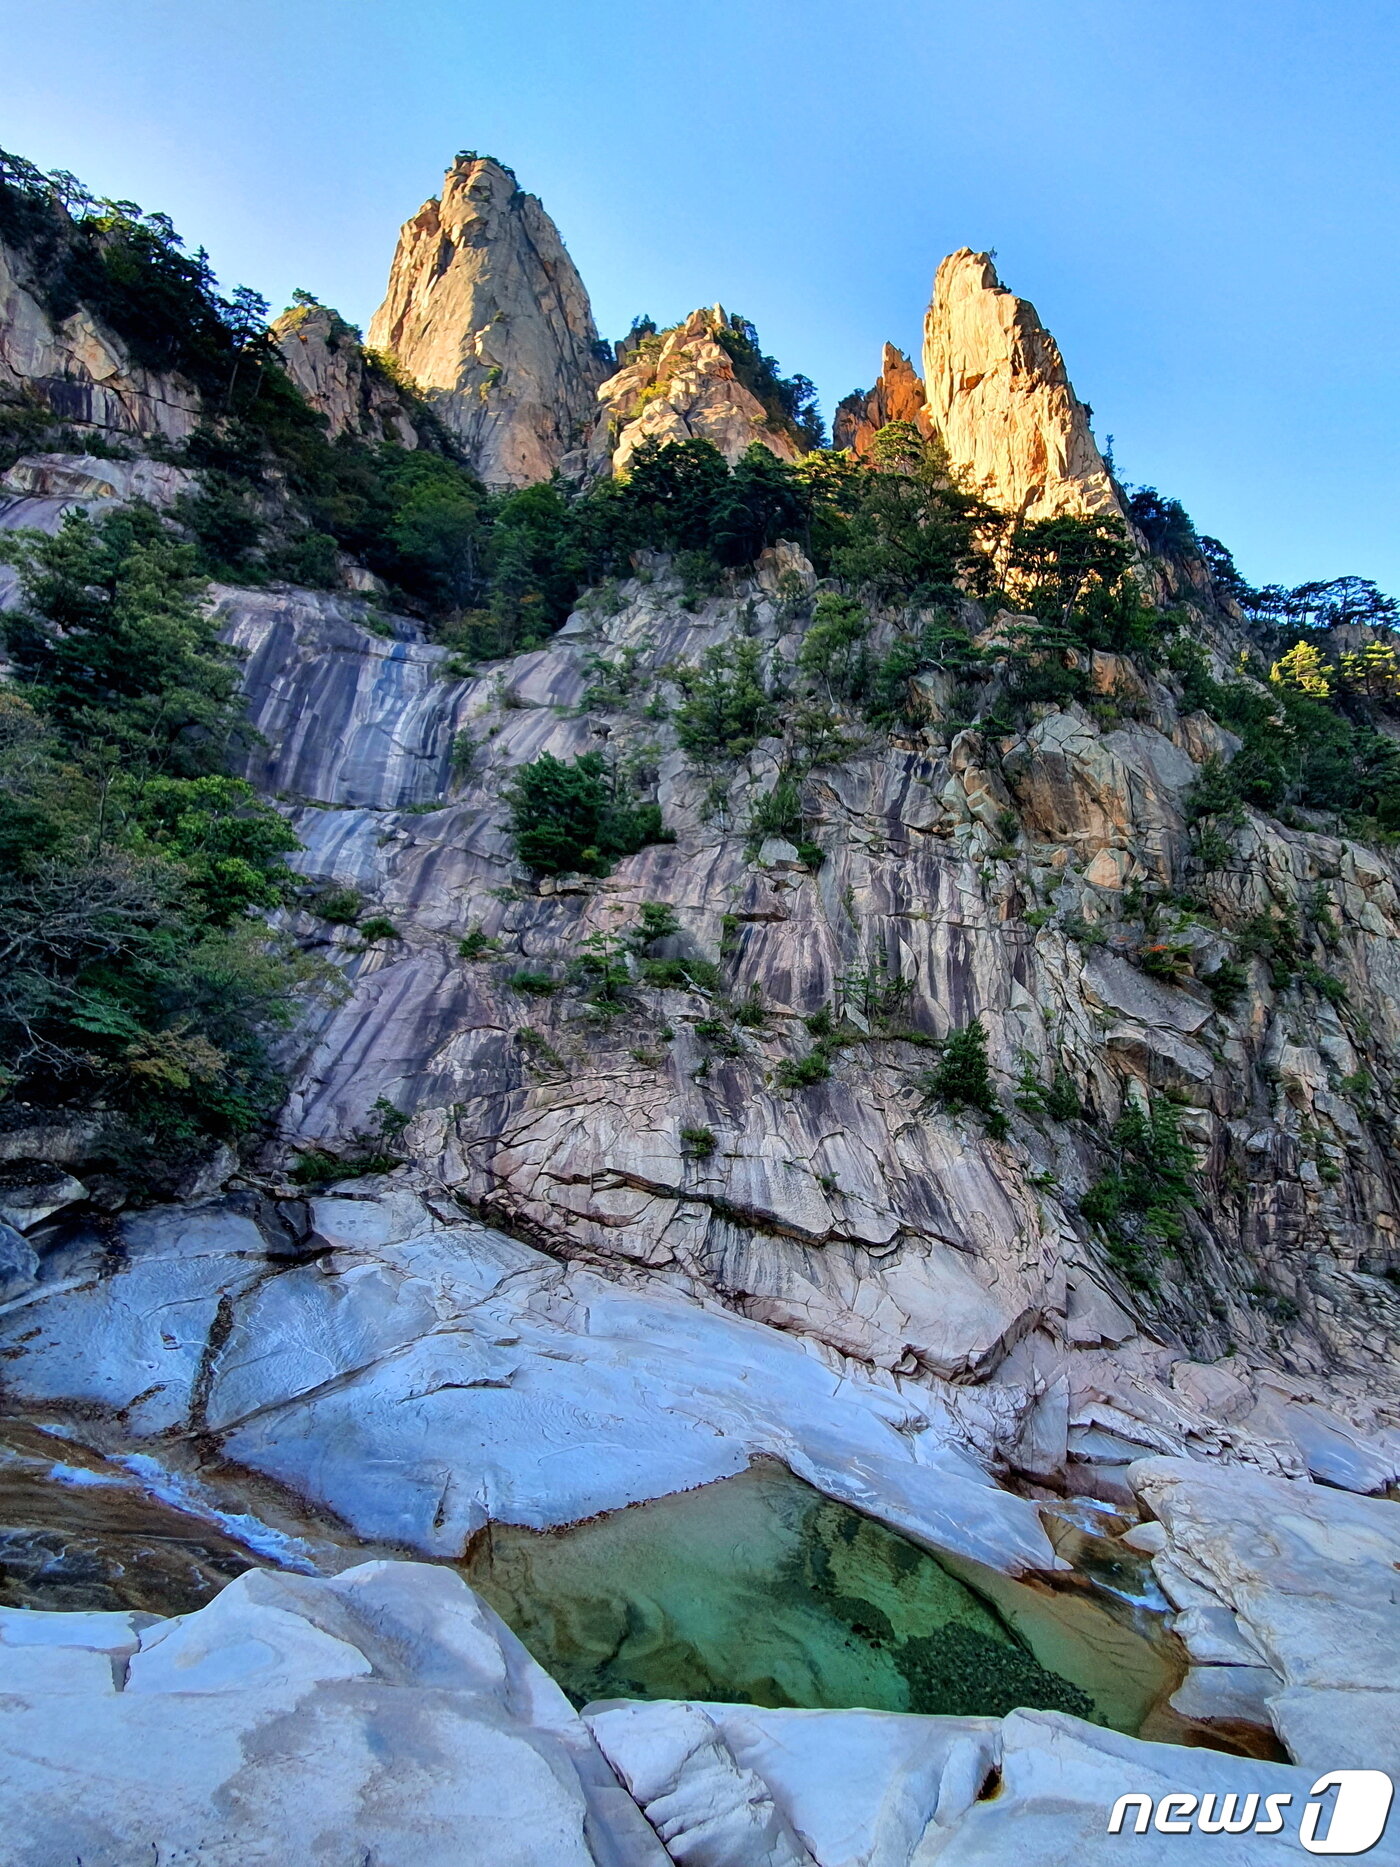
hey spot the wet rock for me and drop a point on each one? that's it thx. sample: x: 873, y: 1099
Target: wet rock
x: 418, y: 1386
x: 19, y: 1263
x: 26, y: 1202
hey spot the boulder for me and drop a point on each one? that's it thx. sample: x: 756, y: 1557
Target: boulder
x: 1305, y: 1578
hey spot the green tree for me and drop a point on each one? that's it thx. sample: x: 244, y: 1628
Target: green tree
x: 762, y: 502
x: 962, y: 1079
x: 834, y: 650
x: 672, y: 494
x: 566, y: 816
x: 727, y: 708
x: 914, y: 534
x: 135, y: 977
x: 537, y: 563
x: 1075, y: 575
x: 113, y: 638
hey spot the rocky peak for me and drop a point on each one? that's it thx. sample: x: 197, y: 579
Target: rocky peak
x: 486, y: 312
x: 325, y: 359
x: 681, y: 385
x: 898, y: 395
x: 1000, y: 398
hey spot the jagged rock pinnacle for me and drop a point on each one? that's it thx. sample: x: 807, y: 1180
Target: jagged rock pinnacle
x: 1000, y: 398
x: 486, y: 312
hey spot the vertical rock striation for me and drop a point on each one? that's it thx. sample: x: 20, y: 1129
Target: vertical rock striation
x: 1000, y: 398
x: 79, y: 369
x: 486, y: 312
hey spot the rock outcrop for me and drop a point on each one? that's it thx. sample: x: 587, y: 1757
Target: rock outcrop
x: 386, y: 1714
x: 80, y: 371
x: 844, y: 1213
x: 1001, y: 401
x: 731, y: 1784
x: 680, y: 385
x: 491, y: 1382
x: 486, y: 313
x: 1292, y: 1589
x: 848, y: 1214
x: 633, y: 1239
x: 325, y: 359
x: 898, y: 395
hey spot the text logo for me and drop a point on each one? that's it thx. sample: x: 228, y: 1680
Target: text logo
x: 1352, y: 1821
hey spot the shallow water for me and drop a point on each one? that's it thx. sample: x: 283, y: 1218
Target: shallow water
x: 80, y: 1532
x: 756, y: 1589
x: 760, y: 1590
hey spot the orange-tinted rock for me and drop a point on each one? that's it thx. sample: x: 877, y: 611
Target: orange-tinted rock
x: 898, y: 395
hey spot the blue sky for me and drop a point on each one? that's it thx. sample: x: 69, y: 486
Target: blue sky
x: 1199, y: 197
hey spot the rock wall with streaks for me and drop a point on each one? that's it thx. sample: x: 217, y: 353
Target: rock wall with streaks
x: 851, y: 1212
x: 78, y: 369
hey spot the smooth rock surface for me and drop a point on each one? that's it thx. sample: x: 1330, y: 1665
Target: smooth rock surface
x: 420, y: 1385
x: 732, y: 1786
x: 849, y: 1213
x: 383, y: 1715
x: 1311, y: 1578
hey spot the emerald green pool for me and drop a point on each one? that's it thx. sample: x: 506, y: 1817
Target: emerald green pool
x: 758, y: 1589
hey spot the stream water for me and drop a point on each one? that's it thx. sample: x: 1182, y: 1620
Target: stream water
x: 759, y: 1589
x: 755, y: 1589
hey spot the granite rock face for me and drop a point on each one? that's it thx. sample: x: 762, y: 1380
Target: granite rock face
x: 325, y: 359
x: 731, y: 1785
x: 1299, y: 1581
x: 638, y: 1240
x: 898, y: 395
x: 680, y: 385
x: 419, y: 1375
x: 849, y: 1212
x: 383, y: 1714
x: 79, y: 369
x: 1001, y: 401
x: 486, y: 312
